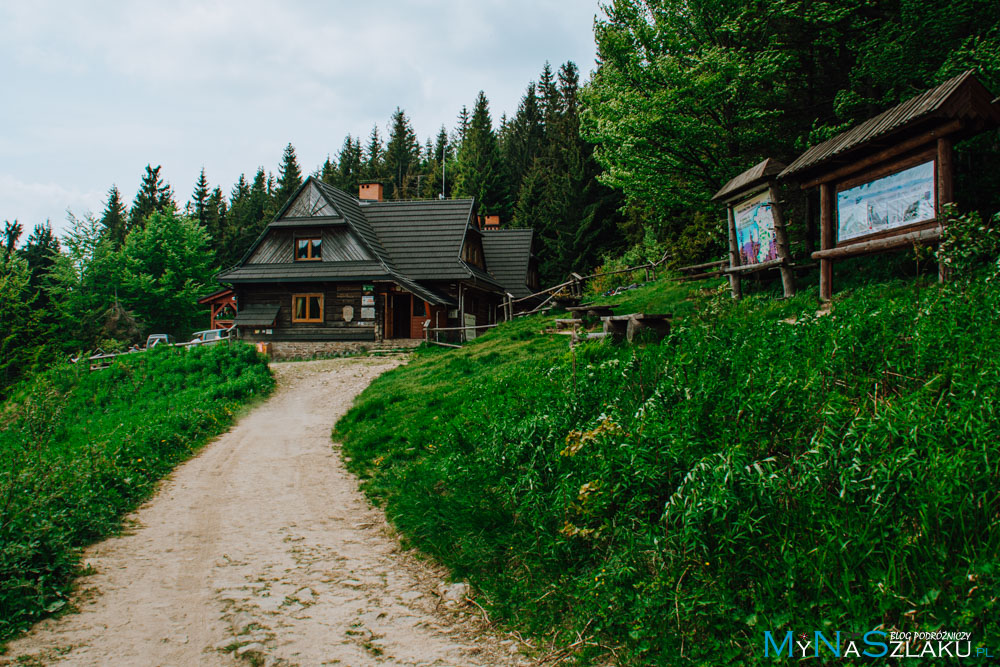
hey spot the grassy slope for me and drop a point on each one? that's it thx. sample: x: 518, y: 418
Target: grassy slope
x: 747, y: 474
x: 78, y: 450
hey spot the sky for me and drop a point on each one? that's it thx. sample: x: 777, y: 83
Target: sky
x: 93, y: 92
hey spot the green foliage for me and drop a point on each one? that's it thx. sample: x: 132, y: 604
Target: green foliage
x: 968, y: 242
x: 689, y: 93
x: 647, y: 252
x: 764, y: 468
x: 79, y: 450
x: 20, y: 324
x: 165, y: 267
x: 82, y: 283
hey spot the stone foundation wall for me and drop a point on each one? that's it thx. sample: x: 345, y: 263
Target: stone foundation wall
x: 282, y: 351
x: 286, y: 350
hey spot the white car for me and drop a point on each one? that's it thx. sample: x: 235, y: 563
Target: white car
x: 209, y: 336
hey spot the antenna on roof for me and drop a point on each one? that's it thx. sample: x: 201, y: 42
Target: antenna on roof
x: 443, y: 175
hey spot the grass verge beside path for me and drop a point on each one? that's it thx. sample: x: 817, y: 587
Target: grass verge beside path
x: 765, y: 467
x: 79, y: 450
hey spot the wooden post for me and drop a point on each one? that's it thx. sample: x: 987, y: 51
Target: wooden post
x: 735, y: 281
x: 810, y: 224
x: 945, y: 190
x: 826, y: 240
x: 461, y: 315
x: 781, y: 236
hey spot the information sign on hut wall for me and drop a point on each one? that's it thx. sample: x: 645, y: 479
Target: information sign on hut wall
x: 755, y: 235
x: 898, y: 200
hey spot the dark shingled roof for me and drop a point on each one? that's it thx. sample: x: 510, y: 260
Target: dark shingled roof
x: 257, y: 315
x: 749, y: 179
x: 304, y: 272
x: 962, y: 97
x: 423, y: 238
x: 508, y: 252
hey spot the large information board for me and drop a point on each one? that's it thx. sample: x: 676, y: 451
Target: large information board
x: 897, y: 200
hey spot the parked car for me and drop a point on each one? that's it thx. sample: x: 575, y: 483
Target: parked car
x: 209, y: 336
x: 159, y: 339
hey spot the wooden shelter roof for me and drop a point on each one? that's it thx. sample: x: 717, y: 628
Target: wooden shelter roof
x: 756, y: 175
x: 217, y: 296
x: 962, y: 98
x: 257, y: 315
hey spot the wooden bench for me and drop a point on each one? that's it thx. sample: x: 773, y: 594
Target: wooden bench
x: 651, y: 327
x: 568, y: 323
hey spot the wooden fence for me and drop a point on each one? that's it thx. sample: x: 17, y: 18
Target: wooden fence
x: 576, y: 284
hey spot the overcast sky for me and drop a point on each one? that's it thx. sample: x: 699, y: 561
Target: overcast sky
x: 93, y: 91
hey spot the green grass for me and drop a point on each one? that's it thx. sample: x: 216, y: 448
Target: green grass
x: 79, y: 449
x: 765, y: 467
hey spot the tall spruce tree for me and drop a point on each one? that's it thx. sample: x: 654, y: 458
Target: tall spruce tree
x: 463, y: 124
x: 374, y: 161
x: 480, y: 172
x: 11, y: 233
x: 402, y: 153
x: 153, y: 195
x: 289, y: 176
x: 216, y: 220
x: 40, y: 251
x: 328, y: 172
x: 114, y: 219
x: 349, y: 165
x: 522, y: 140
x: 574, y: 216
x: 199, y: 198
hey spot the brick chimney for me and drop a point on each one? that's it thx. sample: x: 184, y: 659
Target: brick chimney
x: 491, y: 222
x: 370, y: 192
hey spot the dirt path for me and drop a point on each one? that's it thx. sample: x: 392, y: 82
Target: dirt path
x: 262, y: 550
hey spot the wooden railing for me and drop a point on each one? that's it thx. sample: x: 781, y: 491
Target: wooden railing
x: 462, y: 336
x: 576, y: 284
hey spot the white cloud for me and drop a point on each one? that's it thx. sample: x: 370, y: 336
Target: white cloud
x: 33, y: 203
x: 95, y: 91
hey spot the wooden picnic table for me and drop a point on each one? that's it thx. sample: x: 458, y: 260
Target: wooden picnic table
x: 594, y: 311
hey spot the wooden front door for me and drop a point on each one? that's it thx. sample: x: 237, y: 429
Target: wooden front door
x: 418, y: 315
x: 405, y: 315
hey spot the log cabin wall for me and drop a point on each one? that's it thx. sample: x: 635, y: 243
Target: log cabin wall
x: 336, y: 296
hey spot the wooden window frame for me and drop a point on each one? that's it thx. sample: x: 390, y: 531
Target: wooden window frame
x: 309, y: 248
x: 307, y: 296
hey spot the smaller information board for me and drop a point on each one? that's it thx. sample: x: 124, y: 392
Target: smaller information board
x: 755, y: 235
